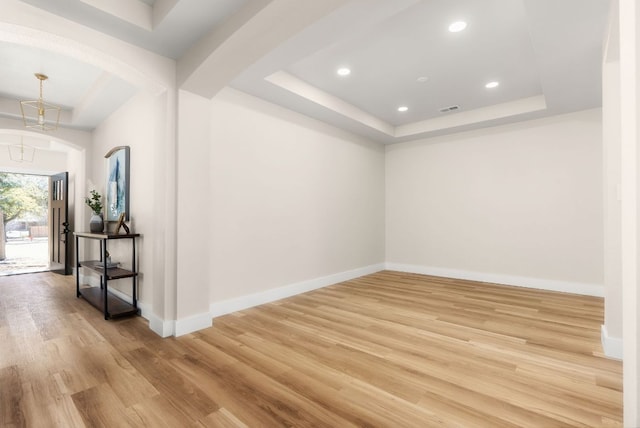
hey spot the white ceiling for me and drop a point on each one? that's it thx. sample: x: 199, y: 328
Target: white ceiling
x: 135, y: 21
x: 387, y: 59
x: 546, y: 54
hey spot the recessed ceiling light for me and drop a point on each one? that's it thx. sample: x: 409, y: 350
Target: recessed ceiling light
x: 402, y: 109
x: 343, y: 71
x: 457, y: 26
x: 422, y: 79
x: 492, y: 85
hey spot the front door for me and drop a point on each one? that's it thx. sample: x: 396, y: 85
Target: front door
x: 59, y: 240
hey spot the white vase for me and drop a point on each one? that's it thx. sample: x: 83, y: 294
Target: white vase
x: 96, y: 224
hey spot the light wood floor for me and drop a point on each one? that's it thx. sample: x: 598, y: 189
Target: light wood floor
x: 387, y: 349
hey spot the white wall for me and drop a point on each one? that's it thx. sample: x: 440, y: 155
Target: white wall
x: 518, y: 204
x: 76, y: 166
x: 629, y: 18
x: 612, y: 328
x: 138, y: 124
x: 194, y: 213
x: 45, y: 162
x: 293, y: 202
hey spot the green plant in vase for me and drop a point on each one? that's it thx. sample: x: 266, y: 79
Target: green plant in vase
x: 96, y: 224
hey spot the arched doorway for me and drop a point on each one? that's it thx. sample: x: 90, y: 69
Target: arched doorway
x: 26, y: 244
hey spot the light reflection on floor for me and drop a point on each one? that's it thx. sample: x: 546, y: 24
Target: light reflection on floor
x: 25, y: 256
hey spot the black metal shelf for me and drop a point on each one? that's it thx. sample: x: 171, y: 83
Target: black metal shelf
x: 92, y: 235
x: 117, y: 307
x: 112, y: 273
x: 112, y: 306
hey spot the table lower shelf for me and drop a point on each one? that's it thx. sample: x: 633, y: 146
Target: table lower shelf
x: 116, y: 307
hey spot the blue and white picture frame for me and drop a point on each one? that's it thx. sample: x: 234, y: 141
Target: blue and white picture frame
x: 117, y: 186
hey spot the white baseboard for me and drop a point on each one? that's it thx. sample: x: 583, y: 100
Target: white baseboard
x: 159, y: 326
x: 612, y: 345
x: 233, y: 305
x: 193, y: 323
x: 145, y: 310
x: 121, y: 295
x: 518, y: 281
x: 176, y: 328
x: 94, y: 281
x: 197, y: 322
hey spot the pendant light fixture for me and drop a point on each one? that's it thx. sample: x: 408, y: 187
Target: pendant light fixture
x: 39, y: 114
x: 21, y: 152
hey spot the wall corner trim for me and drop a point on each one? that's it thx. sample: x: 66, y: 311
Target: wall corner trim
x: 193, y: 323
x: 516, y: 281
x: 156, y: 324
x: 161, y: 327
x: 167, y: 328
x: 612, y: 346
x: 244, y: 302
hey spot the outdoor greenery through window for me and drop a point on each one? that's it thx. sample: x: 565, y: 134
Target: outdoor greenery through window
x: 24, y: 232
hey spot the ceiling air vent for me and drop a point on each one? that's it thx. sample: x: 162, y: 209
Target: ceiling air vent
x: 448, y: 109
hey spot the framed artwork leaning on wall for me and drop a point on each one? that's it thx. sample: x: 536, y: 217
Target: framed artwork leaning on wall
x: 117, y: 186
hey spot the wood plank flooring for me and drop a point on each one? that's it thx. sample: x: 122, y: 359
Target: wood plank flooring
x: 384, y: 350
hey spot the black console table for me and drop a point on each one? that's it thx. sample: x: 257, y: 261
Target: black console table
x: 100, y: 297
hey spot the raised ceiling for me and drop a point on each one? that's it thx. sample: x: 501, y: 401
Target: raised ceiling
x: 545, y: 54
